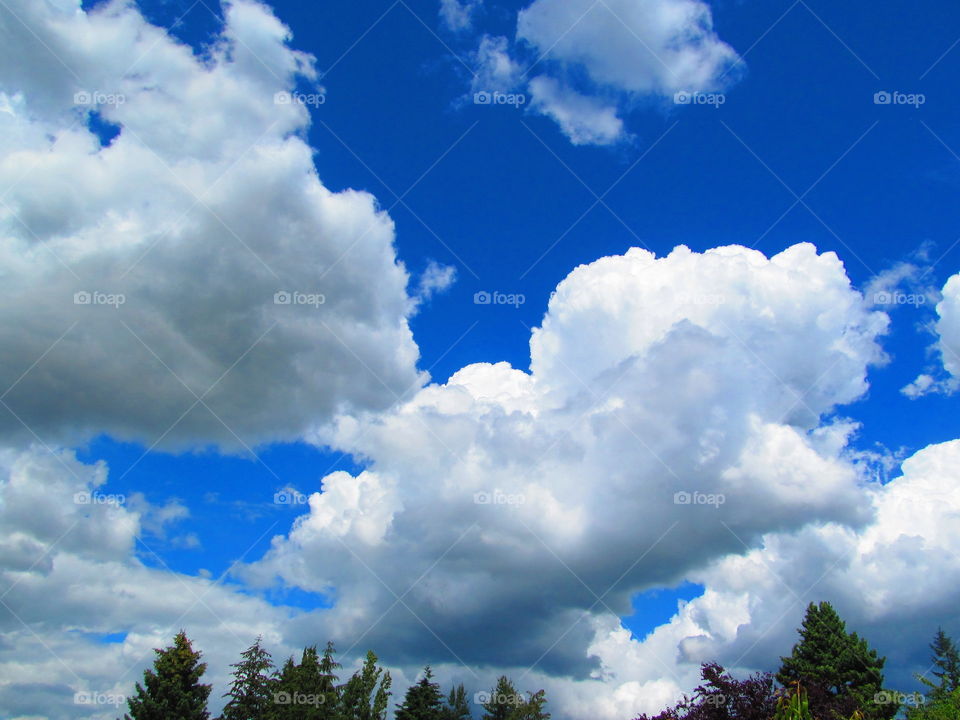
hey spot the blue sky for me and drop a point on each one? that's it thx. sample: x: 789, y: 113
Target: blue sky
x: 505, y: 192
x: 798, y: 150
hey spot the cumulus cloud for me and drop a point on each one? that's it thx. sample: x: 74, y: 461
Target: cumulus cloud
x: 947, y: 346
x: 674, y: 413
x: 436, y: 278
x: 619, y: 52
x: 192, y: 282
x: 71, y: 576
x: 650, y: 47
x: 583, y: 119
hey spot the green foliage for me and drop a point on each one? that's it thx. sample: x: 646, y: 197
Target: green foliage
x: 423, y: 700
x: 457, y: 706
x: 794, y: 706
x: 838, y: 662
x: 946, y: 660
x: 172, y: 690
x: 502, y: 700
x: 532, y: 708
x: 366, y: 695
x: 250, y: 694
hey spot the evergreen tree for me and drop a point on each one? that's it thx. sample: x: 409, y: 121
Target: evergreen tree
x: 946, y: 659
x: 306, y: 691
x: 532, y: 708
x: 457, y: 706
x: 172, y: 690
x: 423, y: 700
x: 365, y: 695
x: 249, y: 695
x: 841, y: 664
x: 503, y: 700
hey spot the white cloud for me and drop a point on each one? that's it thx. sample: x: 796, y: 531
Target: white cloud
x: 639, y: 47
x: 204, y: 207
x: 705, y: 374
x: 583, y: 119
x: 436, y: 278
x: 457, y: 15
x: 947, y: 347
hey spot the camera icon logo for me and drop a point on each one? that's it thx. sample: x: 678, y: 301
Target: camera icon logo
x: 82, y: 97
x: 882, y: 98
x: 282, y: 297
x: 481, y: 498
x: 481, y: 298
x: 682, y: 97
x: 482, y: 98
x: 281, y: 698
x: 82, y: 698
x: 82, y: 298
x: 81, y: 498
x: 681, y: 498
x: 282, y: 98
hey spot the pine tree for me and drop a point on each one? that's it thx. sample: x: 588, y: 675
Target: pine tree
x: 365, y: 695
x: 172, y: 690
x: 946, y: 659
x: 532, y: 708
x: 840, y: 664
x: 423, y: 700
x: 457, y: 706
x: 249, y: 695
x: 283, y: 688
x: 503, y: 700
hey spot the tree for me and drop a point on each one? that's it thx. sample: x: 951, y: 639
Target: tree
x: 172, y: 690
x: 502, y: 701
x: 423, y: 700
x: 457, y: 706
x: 532, y: 708
x: 835, y: 665
x: 946, y: 659
x: 365, y: 695
x: 722, y: 697
x: 306, y: 691
x: 250, y: 697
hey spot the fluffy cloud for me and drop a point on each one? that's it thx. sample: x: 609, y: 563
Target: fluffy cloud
x: 948, y: 326
x: 230, y: 297
x: 947, y: 347
x: 640, y: 47
x: 672, y: 415
x: 457, y: 15
x: 583, y: 119
x: 71, y: 575
x: 618, y: 51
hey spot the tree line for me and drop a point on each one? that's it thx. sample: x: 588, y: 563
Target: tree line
x: 831, y: 674
x: 309, y: 690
